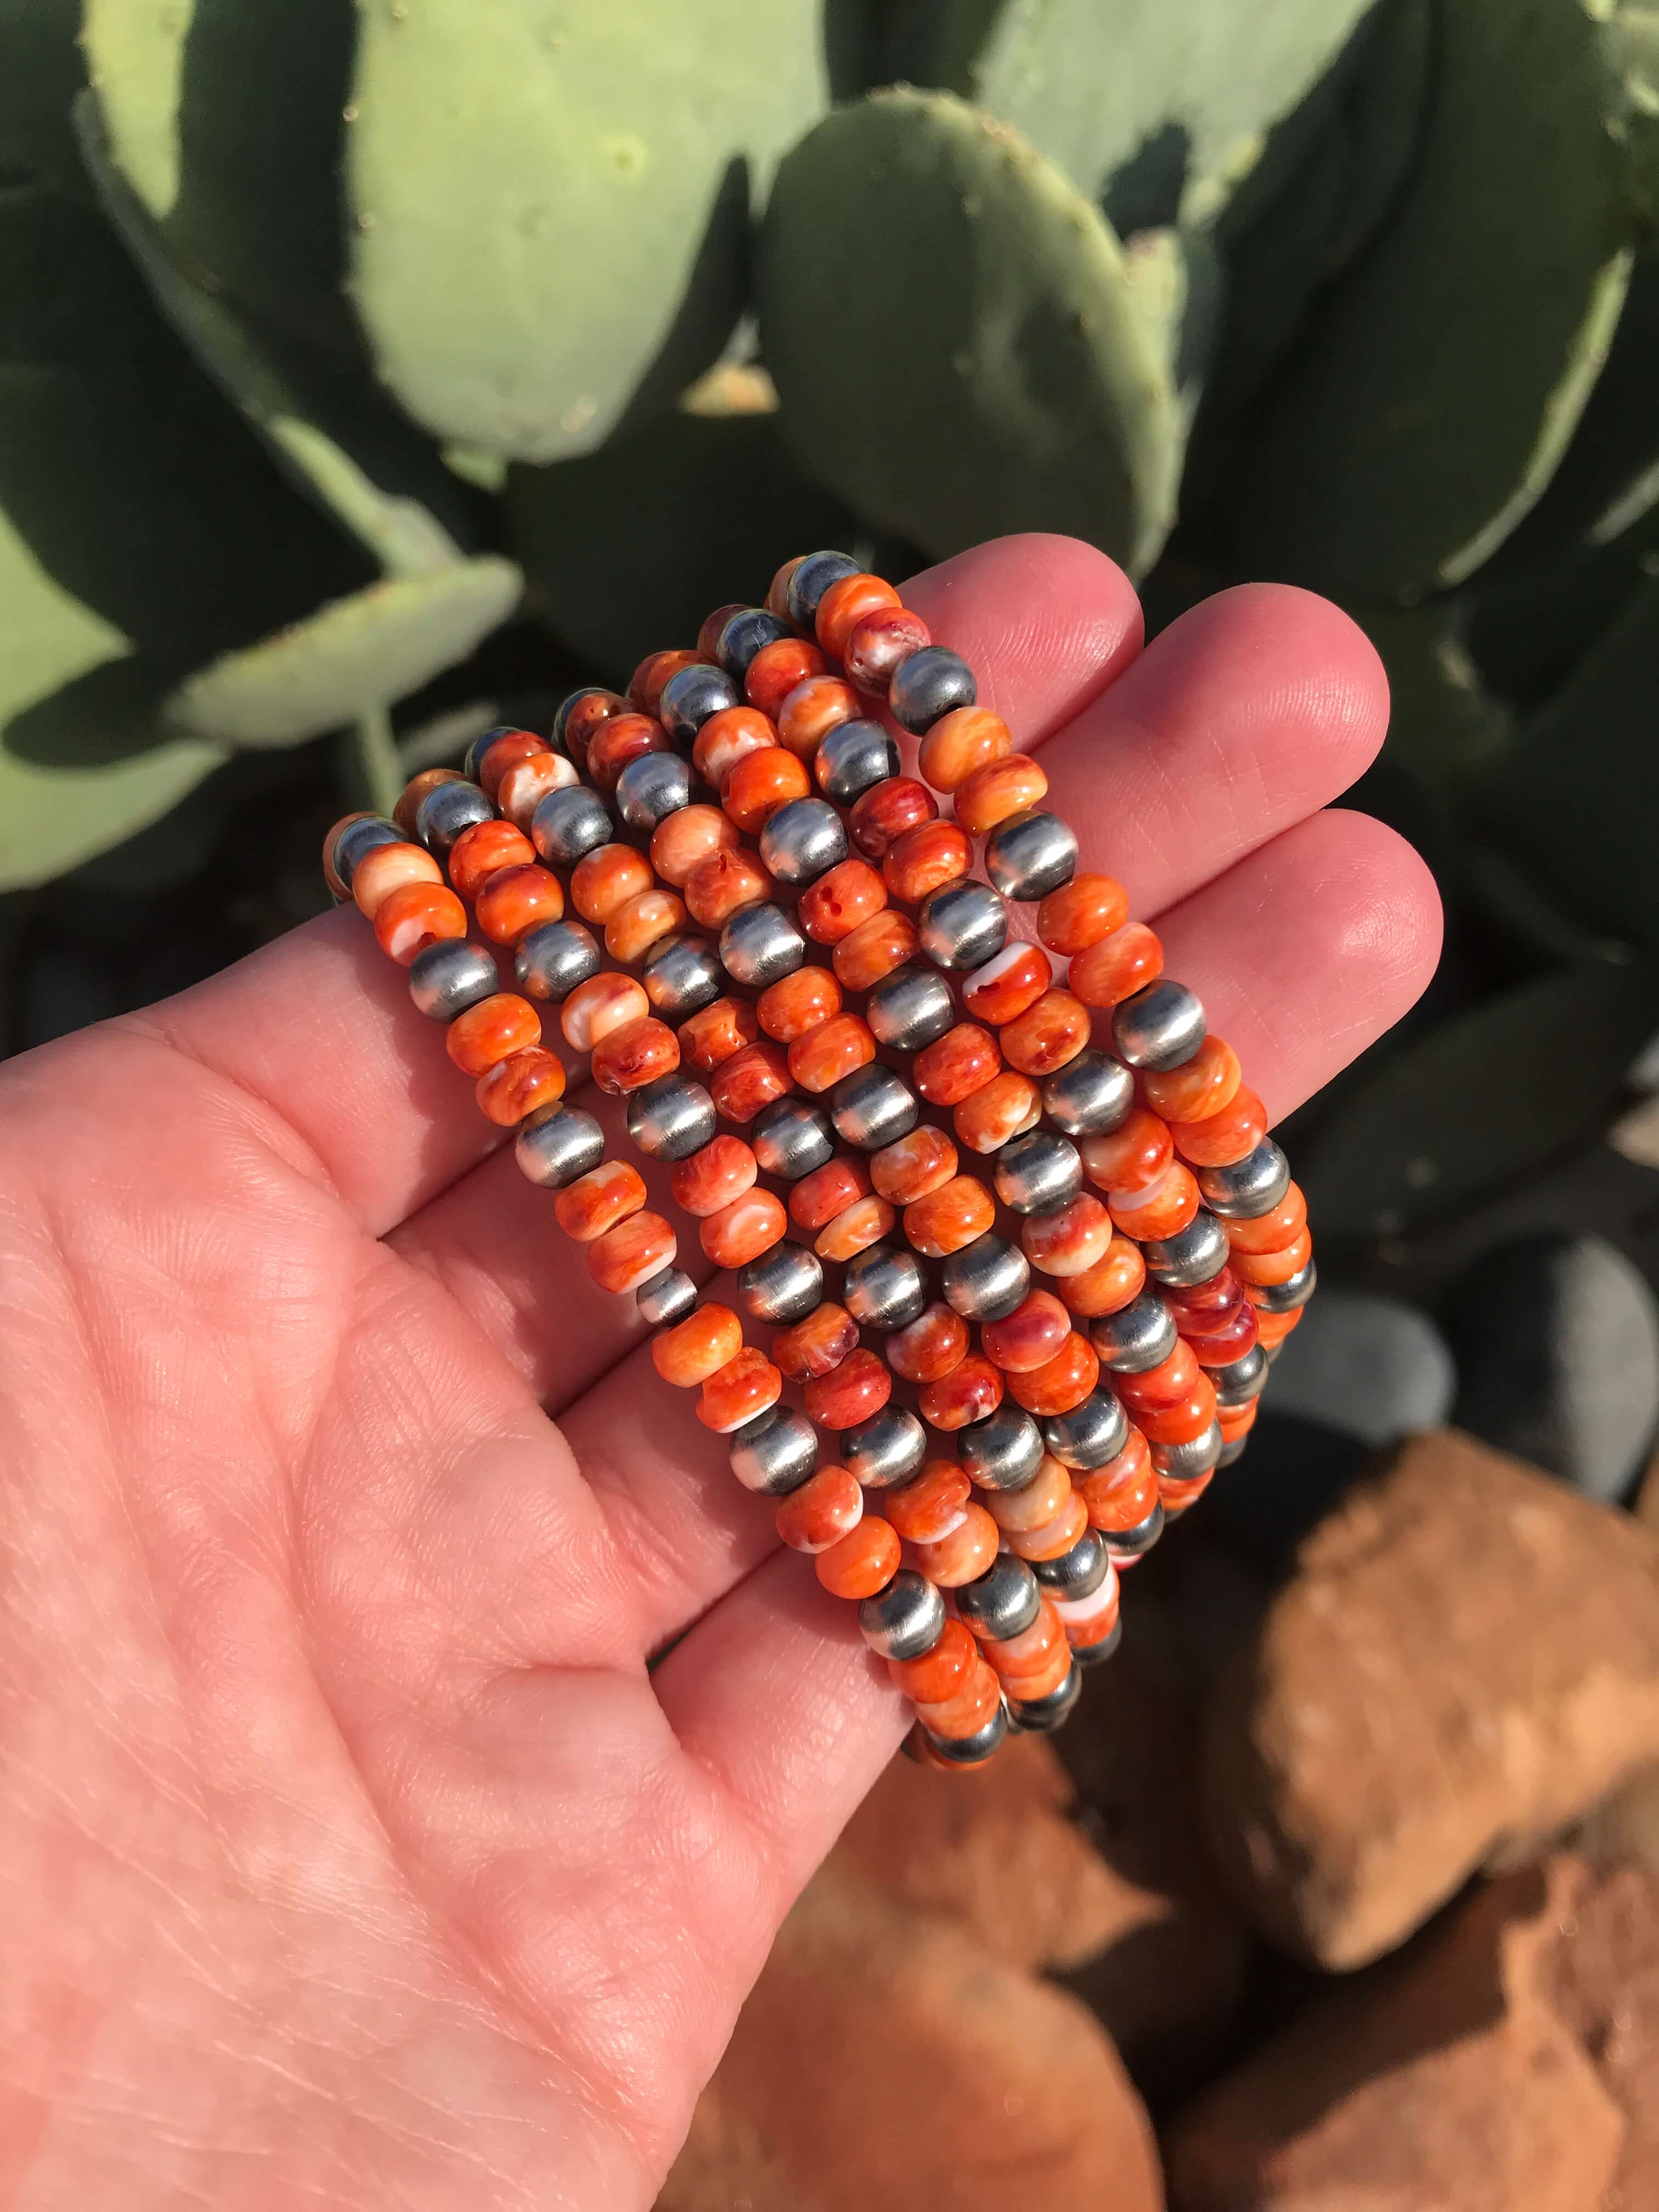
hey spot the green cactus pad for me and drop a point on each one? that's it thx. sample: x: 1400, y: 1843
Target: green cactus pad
x: 1633, y: 35
x: 348, y: 659
x: 551, y: 205
x: 1429, y: 399
x: 955, y: 336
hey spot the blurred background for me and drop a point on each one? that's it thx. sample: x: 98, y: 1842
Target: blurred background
x: 372, y: 373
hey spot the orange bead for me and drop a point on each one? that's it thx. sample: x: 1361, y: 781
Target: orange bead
x: 743, y: 1229
x: 850, y: 1394
x: 586, y: 717
x: 1030, y: 1337
x: 777, y: 668
x: 416, y: 915
x: 965, y: 739
x: 888, y: 811
x: 1100, y: 1626
x: 862, y: 1562
x: 1115, y: 1278
x: 913, y: 1166
x: 837, y: 1047
x: 1044, y: 1679
x: 626, y: 1059
x: 723, y: 884
x: 931, y: 1503
x: 640, y: 922
x: 841, y: 902
x: 777, y: 597
x: 1267, y: 1267
x: 608, y: 877
x: 1197, y: 1089
x: 1017, y: 1657
x: 1237, y: 1421
x: 999, y: 789
x: 1010, y: 982
x: 1066, y: 1530
x: 599, y: 1200
x: 631, y: 1253
x: 515, y: 901
x: 1133, y: 1157
x: 712, y: 1178
x: 752, y: 1079
x: 930, y: 1345
x: 817, y: 1198
x: 1036, y: 1503
x: 816, y: 1345
x: 817, y: 705
x: 478, y: 852
x: 681, y: 840
x: 969, y: 1392
x: 624, y: 739
x: 954, y: 1066
x: 403, y: 813
x: 384, y: 868
x: 967, y: 1711
x: 1081, y: 913
x: 1231, y: 1339
x: 1182, y: 1423
x: 1068, y: 1240
x: 745, y: 1387
x: 752, y: 790
x: 855, y: 1230
x: 1271, y: 1328
x: 796, y: 1003
x: 938, y: 1673
x: 708, y: 636
x: 949, y: 1219
x: 600, y: 1004
x: 1271, y: 1232
x: 964, y: 1553
x: 878, y: 643
x: 517, y: 1086
x: 872, y: 950
x: 1047, y: 1036
x: 646, y: 686
x: 1121, y: 1494
x: 1222, y: 1137
x: 1166, y: 1384
x: 847, y: 600
x: 1009, y: 1105
x: 506, y: 752
x: 827, y: 1506
x: 1116, y: 967
x: 529, y: 782
x: 925, y: 858
x: 492, y: 1030
x: 733, y: 734
x: 709, y: 1037
x: 1065, y: 1382
x: 1171, y: 1206
x: 698, y: 1347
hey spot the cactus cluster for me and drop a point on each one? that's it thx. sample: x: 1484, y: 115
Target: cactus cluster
x: 350, y: 348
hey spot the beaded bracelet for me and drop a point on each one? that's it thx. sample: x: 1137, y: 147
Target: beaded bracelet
x: 1187, y: 1356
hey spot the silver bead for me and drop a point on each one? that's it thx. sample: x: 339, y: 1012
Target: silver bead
x: 1090, y: 1655
x: 1078, y: 1573
x: 1091, y: 1434
x: 774, y: 1452
x: 853, y: 759
x: 652, y: 788
x: 885, y: 1449
x: 1232, y: 1452
x: 963, y: 925
x: 556, y: 1144
x: 1285, y: 1297
x: 1241, y: 1379
x: 1037, y: 1173
x: 986, y: 1279
x: 446, y: 810
x: 883, y: 1287
x: 691, y: 695
x: 1090, y: 1096
x: 803, y: 840
x: 1249, y: 1186
x: 760, y: 946
x: 682, y: 974
x: 670, y: 1118
x: 971, y: 1750
x: 873, y: 1106
x: 1004, y: 1450
x: 567, y: 823
x: 1193, y: 1255
x: 1003, y: 1601
x: 790, y: 1138
x: 1137, y: 1337
x: 1183, y: 1463
x: 909, y: 1008
x: 1161, y: 1026
x: 359, y: 837
x: 549, y: 962
x: 666, y: 1298
x: 743, y: 635
x: 1135, y: 1543
x: 809, y: 581
x: 928, y: 684
x: 1030, y: 854
x: 1043, y: 1715
x: 451, y: 976
x: 784, y: 1284
x: 904, y: 1620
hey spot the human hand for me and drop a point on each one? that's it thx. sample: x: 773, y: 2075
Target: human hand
x: 349, y: 1856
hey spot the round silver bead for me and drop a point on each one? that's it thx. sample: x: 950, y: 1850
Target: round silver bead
x: 691, y: 695
x: 790, y: 1138
x: 1183, y: 1463
x: 1090, y: 1655
x: 873, y: 1106
x: 1232, y: 1452
x: 1285, y: 1297
x: 1161, y: 1026
x: 451, y: 976
x: 652, y: 788
x: 1135, y: 1543
x: 809, y: 581
x: 962, y: 924
x: 1037, y: 1173
x: 774, y: 1452
x: 986, y: 1279
x: 556, y: 1144
x: 670, y: 1118
x: 909, y: 1008
x: 1241, y: 1379
x: 1091, y: 1434
x: 1030, y: 854
x: 971, y: 1750
x: 1003, y: 1601
x: 1137, y: 1337
x: 549, y: 962
x: 446, y: 810
x: 1249, y: 1186
x: 743, y: 635
x: 666, y: 1298
x: 883, y: 1287
x: 784, y: 1284
x: 803, y: 840
x: 853, y: 759
x: 1078, y: 1572
x: 904, y: 1620
x: 760, y: 946
x: 928, y: 684
x: 885, y: 1449
x: 1004, y: 1450
x: 359, y: 837
x: 567, y: 823
x: 1043, y: 1715
x: 1191, y: 1256
x: 1090, y: 1096
x: 682, y: 974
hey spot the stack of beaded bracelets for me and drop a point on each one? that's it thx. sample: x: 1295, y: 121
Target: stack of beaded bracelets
x: 981, y: 1528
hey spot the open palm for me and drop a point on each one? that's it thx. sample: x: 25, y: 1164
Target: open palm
x: 349, y: 1855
